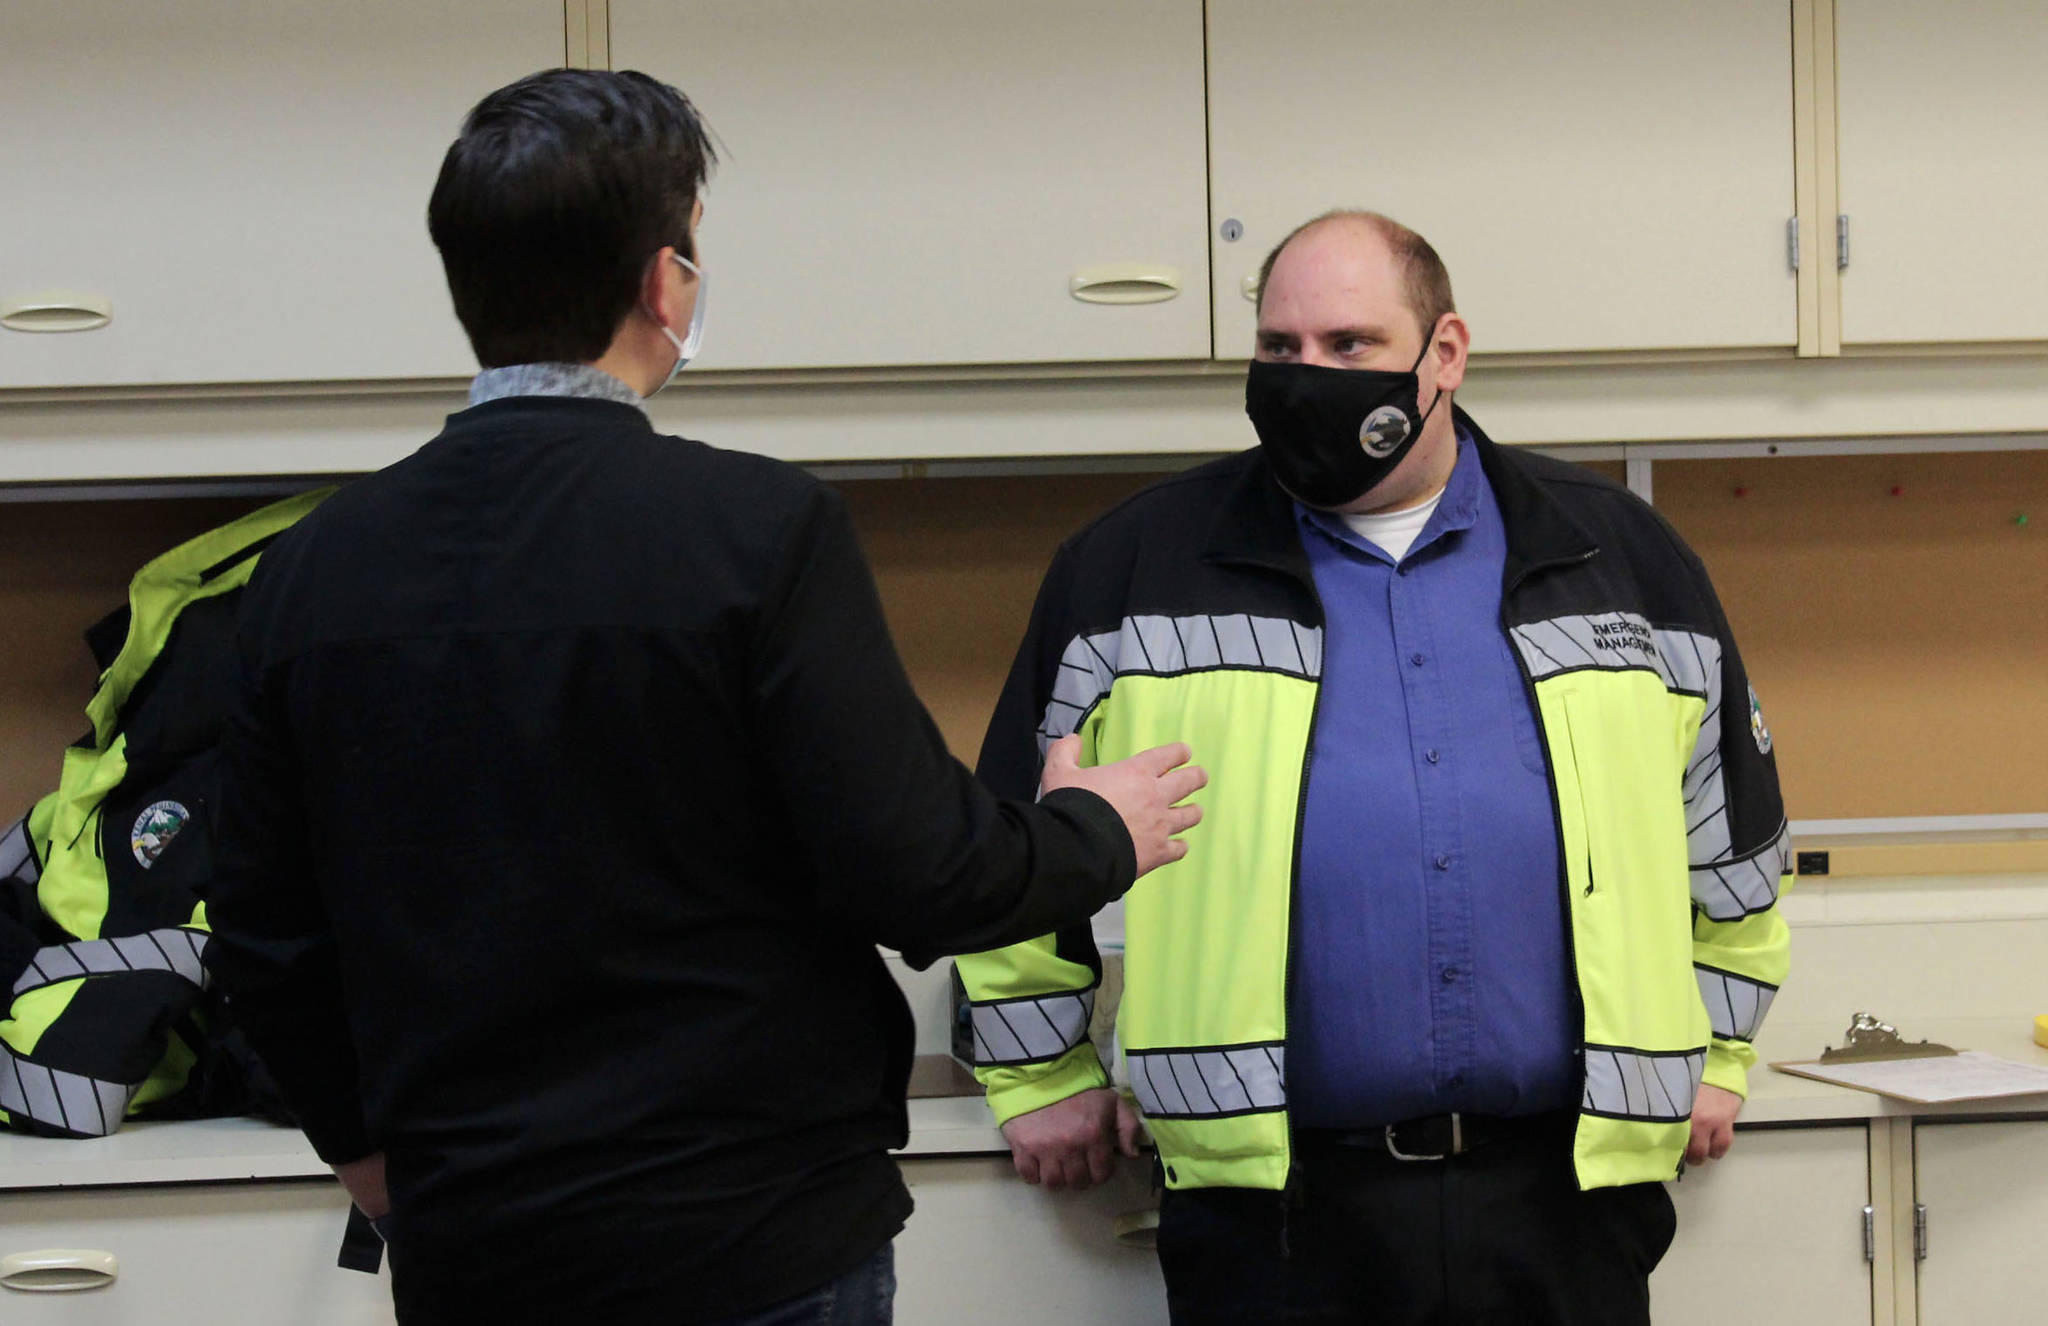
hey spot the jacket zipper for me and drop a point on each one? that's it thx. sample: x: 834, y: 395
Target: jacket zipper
x: 1291, y: 1193
x: 1564, y: 881
x: 1571, y: 737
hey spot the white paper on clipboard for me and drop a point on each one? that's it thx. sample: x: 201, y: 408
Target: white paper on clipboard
x: 1968, y: 1075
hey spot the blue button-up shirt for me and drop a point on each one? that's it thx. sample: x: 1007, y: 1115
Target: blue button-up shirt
x: 1431, y: 971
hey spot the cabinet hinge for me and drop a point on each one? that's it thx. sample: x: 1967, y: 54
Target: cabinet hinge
x: 1792, y: 243
x: 1870, y: 1234
x: 1842, y: 242
x: 1919, y: 1231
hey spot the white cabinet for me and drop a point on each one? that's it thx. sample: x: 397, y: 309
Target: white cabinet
x: 1605, y: 175
x: 1943, y: 167
x: 1777, y: 1227
x: 985, y: 1247
x: 1983, y: 1188
x: 196, y: 1255
x: 244, y: 183
x: 913, y: 183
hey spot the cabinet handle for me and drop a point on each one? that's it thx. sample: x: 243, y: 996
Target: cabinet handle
x: 56, y: 313
x: 1249, y: 287
x: 58, y: 1270
x: 1138, y: 1229
x: 1125, y: 283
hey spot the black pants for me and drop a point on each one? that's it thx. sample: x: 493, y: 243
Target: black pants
x: 1500, y: 1236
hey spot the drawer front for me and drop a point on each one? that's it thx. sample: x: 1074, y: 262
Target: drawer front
x: 201, y: 1253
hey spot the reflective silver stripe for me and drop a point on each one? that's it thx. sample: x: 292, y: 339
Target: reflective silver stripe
x: 174, y: 949
x: 1029, y: 1031
x: 70, y: 1101
x: 1736, y: 1005
x: 1165, y: 646
x: 18, y: 856
x: 1707, y: 836
x: 1199, y: 1084
x: 1636, y: 1084
x: 1731, y: 890
x: 1619, y: 641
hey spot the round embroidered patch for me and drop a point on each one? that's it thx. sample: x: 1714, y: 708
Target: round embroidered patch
x: 1383, y: 430
x: 154, y: 829
x: 1756, y: 724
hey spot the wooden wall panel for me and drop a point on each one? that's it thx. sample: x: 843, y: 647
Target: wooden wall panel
x: 1898, y: 642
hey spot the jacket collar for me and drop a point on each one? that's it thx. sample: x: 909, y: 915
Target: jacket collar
x: 1255, y: 525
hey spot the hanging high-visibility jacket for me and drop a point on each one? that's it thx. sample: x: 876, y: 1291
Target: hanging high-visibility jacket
x: 1190, y: 614
x: 103, y: 883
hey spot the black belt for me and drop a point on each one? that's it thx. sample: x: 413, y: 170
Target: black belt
x: 1440, y: 1136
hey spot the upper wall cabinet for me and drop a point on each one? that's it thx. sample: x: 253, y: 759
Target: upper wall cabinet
x: 237, y: 189
x: 904, y: 182
x: 1943, y: 168
x: 1605, y: 175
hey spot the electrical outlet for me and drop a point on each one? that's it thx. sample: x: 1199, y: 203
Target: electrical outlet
x: 1812, y: 863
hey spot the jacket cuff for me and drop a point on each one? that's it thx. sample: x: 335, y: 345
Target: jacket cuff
x: 1078, y: 803
x: 1015, y: 1091
x: 1728, y: 1065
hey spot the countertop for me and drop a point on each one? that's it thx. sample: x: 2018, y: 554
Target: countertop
x: 230, y: 1150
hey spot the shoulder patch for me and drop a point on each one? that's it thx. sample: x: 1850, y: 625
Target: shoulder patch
x: 1756, y: 723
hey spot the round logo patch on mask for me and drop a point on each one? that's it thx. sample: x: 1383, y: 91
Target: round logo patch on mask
x: 1756, y: 723
x: 1383, y: 430
x: 154, y: 829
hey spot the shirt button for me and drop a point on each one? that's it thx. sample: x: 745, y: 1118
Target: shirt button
x: 1443, y: 862
x: 1416, y: 659
x: 1431, y: 756
x: 1450, y: 975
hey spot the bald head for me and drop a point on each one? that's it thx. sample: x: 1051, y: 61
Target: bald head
x: 1424, y: 282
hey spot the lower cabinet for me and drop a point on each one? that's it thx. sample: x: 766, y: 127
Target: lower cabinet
x: 1771, y: 1233
x: 1984, y: 1190
x: 201, y: 1253
x: 985, y: 1247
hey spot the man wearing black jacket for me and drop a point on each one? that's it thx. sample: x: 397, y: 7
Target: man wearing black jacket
x: 573, y: 779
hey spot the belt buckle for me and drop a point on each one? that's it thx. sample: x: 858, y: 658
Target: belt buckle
x: 1457, y: 1143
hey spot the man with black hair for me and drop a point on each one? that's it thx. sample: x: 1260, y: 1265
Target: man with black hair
x: 573, y: 779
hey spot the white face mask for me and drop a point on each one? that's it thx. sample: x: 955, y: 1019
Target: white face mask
x: 687, y: 346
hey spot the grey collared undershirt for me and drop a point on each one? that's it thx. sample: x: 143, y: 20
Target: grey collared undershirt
x: 551, y: 379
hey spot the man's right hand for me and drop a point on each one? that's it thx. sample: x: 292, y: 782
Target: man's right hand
x: 1073, y: 1143
x: 1146, y: 790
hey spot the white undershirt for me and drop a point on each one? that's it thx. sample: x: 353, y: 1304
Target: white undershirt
x: 1394, y: 532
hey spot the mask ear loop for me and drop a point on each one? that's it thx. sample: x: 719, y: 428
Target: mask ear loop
x: 1416, y: 367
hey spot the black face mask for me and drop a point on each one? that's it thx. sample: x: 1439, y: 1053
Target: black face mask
x: 1330, y: 434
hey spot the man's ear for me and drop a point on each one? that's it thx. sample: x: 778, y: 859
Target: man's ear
x: 661, y: 288
x: 1452, y: 350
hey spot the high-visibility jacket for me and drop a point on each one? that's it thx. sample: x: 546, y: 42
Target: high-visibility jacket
x: 102, y: 884
x: 1189, y: 613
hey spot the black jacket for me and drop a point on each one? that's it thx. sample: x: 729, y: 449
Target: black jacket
x: 573, y: 781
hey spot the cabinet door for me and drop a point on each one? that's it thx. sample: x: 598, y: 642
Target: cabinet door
x: 244, y: 182
x: 1605, y: 175
x: 1986, y: 1209
x: 1775, y: 1227
x: 984, y: 1247
x: 1943, y: 167
x: 196, y: 1255
x: 905, y: 182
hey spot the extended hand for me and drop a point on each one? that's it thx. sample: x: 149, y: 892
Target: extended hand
x: 1145, y: 790
x: 1713, y: 1125
x: 1073, y: 1143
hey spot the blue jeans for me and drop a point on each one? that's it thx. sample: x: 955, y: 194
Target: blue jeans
x: 864, y: 1296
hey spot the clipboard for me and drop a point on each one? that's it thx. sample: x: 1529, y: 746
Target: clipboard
x: 1875, y: 1058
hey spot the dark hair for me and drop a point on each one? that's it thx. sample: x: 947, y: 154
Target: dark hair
x: 1424, y: 278
x: 550, y: 203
